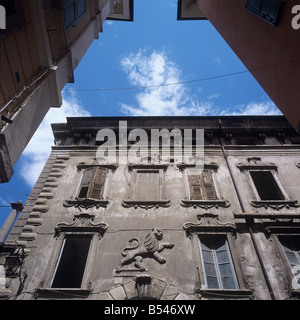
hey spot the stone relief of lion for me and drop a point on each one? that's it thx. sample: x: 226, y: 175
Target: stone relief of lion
x: 135, y: 252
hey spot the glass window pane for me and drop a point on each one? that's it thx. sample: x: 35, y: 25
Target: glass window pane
x: 80, y: 8
x: 207, y: 256
x: 228, y: 283
x: 292, y: 258
x: 212, y: 283
x: 210, y: 269
x: 225, y: 269
x: 222, y: 256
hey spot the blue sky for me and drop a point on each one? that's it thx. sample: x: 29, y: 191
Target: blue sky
x: 153, y: 51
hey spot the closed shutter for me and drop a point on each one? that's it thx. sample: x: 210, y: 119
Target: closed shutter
x: 97, y: 184
x: 208, y: 183
x: 195, y: 187
x: 202, y: 186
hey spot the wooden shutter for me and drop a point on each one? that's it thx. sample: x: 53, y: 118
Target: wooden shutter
x: 202, y: 186
x: 97, y: 184
x: 208, y: 184
x: 195, y: 187
x: 86, y: 181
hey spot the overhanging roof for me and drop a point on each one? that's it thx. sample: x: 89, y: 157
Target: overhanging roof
x: 188, y: 10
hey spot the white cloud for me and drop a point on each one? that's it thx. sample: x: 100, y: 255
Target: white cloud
x: 218, y: 61
x: 155, y: 71
x: 38, y: 150
x: 254, y: 108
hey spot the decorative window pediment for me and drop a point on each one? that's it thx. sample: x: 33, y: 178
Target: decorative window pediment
x: 82, y: 222
x: 256, y: 163
x: 208, y: 222
x: 201, y: 187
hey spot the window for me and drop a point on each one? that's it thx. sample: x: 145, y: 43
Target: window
x: 214, y: 247
x: 266, y: 185
x: 202, y: 186
x: 147, y: 187
x: 267, y: 188
x: 93, y: 187
x: 246, y: 140
x: 265, y: 9
x: 73, y: 11
x: 217, y: 263
x: 93, y: 182
x: 291, y: 248
x: 72, y: 260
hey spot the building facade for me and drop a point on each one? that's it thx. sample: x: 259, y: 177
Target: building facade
x: 265, y: 36
x: 40, y: 47
x: 111, y: 219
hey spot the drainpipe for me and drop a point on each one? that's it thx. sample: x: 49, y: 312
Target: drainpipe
x: 247, y: 221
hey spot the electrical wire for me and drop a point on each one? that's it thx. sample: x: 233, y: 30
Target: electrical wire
x: 188, y: 81
x: 25, y: 194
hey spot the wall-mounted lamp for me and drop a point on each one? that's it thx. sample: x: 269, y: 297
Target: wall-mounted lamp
x: 13, y: 262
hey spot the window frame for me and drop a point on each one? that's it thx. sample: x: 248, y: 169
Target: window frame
x: 91, y: 202
x: 292, y: 233
x: 82, y: 225
x: 91, y: 184
x: 256, y: 164
x: 203, y: 203
x: 271, y: 19
x: 216, y: 262
x: 68, y: 3
x: 67, y: 236
x: 210, y: 226
x: 131, y: 201
x: 276, y: 180
x: 276, y: 231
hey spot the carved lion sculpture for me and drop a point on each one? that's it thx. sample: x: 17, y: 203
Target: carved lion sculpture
x: 134, y: 252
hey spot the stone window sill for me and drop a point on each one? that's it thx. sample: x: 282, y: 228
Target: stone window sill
x: 225, y: 294
x: 66, y: 293
x: 274, y: 204
x: 205, y: 204
x: 146, y: 204
x: 86, y: 203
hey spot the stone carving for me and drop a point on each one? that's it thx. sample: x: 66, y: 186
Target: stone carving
x: 81, y: 223
x: 146, y: 204
x: 209, y: 222
x: 85, y: 203
x: 257, y: 164
x: 205, y: 204
x: 152, y: 246
x: 274, y: 204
